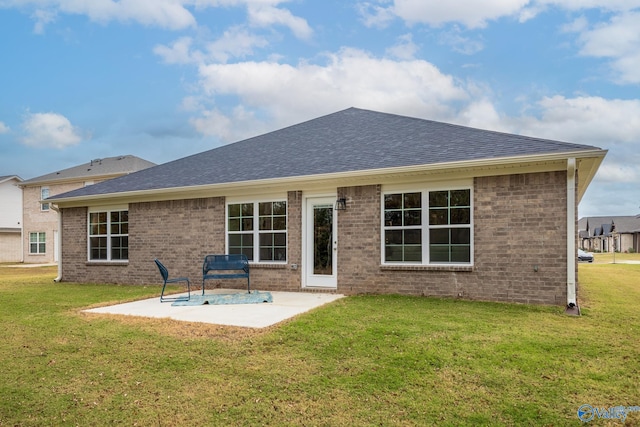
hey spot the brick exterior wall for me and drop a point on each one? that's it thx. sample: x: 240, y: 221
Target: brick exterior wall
x: 521, y: 223
x: 36, y: 220
x: 179, y: 233
x: 519, y: 227
x: 10, y: 248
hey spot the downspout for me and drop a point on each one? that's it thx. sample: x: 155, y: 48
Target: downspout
x: 22, y: 236
x: 572, y: 303
x: 59, y: 277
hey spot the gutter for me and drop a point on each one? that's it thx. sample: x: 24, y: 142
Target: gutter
x: 22, y: 236
x: 498, y: 162
x: 59, y: 249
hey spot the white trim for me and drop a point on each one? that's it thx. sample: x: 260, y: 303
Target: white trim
x: 56, y: 246
x: 38, y: 242
x: 428, y: 186
x: 44, y: 188
x: 108, y: 208
x: 571, y: 231
x: 307, y: 257
x: 59, y: 215
x: 108, y: 211
x: 424, y: 189
x: 256, y: 231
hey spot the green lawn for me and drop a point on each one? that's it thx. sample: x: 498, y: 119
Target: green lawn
x: 364, y: 360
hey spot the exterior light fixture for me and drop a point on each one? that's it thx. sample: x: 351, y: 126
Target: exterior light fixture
x: 341, y: 204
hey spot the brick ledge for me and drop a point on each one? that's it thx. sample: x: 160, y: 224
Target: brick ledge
x: 268, y: 266
x: 106, y: 263
x: 456, y: 268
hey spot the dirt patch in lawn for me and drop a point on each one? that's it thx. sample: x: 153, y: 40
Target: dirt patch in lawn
x: 183, y: 330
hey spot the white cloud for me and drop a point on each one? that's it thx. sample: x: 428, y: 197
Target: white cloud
x: 239, y: 124
x: 4, y: 128
x: 405, y: 48
x: 618, y: 172
x: 261, y: 15
x: 170, y: 14
x: 375, y: 16
x: 49, y: 130
x: 179, y: 52
x: 573, y: 5
x: 578, y: 25
x: 236, y: 42
x: 611, y: 124
x: 471, y: 13
x: 42, y: 18
x: 213, y: 122
x: 585, y: 120
x: 482, y: 114
x: 459, y: 43
x: 288, y: 94
x: 619, y: 40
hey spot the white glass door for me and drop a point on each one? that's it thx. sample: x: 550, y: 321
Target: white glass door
x: 321, y: 243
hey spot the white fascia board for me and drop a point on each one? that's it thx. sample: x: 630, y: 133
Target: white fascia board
x: 587, y: 168
x: 462, y: 169
x: 74, y: 179
x: 10, y: 177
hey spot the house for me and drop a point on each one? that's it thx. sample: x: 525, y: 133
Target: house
x: 609, y: 233
x: 10, y: 219
x: 41, y: 228
x: 354, y: 202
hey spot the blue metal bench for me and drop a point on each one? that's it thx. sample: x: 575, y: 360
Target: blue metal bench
x: 165, y: 276
x: 220, y: 266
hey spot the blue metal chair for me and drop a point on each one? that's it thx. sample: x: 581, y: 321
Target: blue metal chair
x: 165, y: 276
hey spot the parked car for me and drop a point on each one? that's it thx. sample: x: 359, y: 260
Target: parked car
x: 585, y: 256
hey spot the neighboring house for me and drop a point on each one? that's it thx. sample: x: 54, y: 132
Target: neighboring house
x: 353, y: 202
x: 10, y: 219
x: 41, y: 228
x: 609, y: 233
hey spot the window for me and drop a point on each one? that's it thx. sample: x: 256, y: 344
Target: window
x: 427, y: 227
x: 403, y: 221
x: 109, y: 235
x: 37, y: 243
x: 44, y: 193
x: 264, y: 223
x: 450, y: 226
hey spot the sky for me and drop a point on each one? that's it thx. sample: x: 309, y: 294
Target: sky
x: 164, y: 79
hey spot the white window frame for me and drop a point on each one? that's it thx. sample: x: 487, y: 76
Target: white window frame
x: 38, y: 242
x: 425, y: 226
x: 44, y: 194
x: 108, y: 210
x: 256, y: 232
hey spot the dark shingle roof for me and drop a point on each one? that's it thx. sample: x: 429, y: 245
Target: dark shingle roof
x: 623, y: 224
x: 4, y: 178
x: 349, y: 140
x: 107, y: 166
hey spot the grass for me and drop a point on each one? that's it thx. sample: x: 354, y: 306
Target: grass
x: 363, y: 360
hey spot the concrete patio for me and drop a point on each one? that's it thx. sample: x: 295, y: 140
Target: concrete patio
x: 284, y: 306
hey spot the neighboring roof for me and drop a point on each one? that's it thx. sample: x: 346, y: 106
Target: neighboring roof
x: 10, y: 230
x: 10, y: 177
x: 603, y: 224
x: 347, y: 141
x: 107, y: 167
